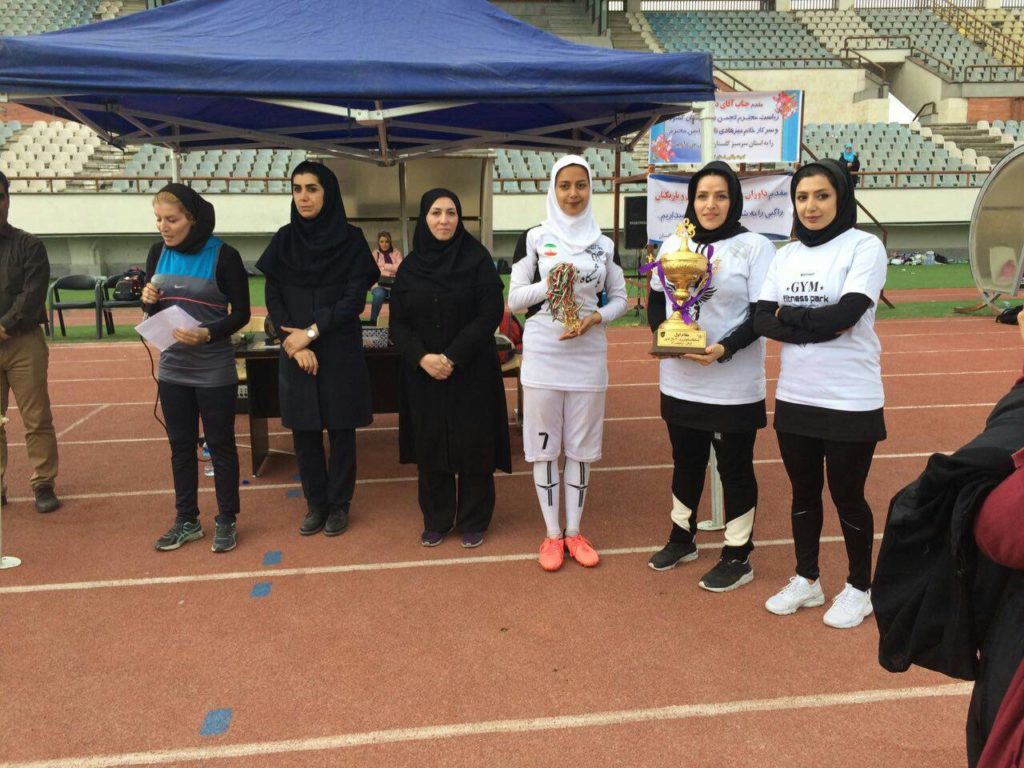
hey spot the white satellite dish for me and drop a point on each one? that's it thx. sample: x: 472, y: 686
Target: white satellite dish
x: 996, y: 241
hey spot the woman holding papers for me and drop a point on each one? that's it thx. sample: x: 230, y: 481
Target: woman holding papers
x: 195, y: 271
x: 715, y: 399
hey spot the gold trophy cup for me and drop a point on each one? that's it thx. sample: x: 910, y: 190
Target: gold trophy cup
x: 687, y: 272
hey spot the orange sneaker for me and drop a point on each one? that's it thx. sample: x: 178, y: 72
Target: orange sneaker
x: 581, y: 550
x: 552, y: 552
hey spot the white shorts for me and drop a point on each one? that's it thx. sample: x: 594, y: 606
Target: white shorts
x: 554, y: 419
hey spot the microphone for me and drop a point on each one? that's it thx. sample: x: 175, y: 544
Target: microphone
x: 157, y: 282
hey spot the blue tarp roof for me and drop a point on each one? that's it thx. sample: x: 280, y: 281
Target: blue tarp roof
x: 363, y: 77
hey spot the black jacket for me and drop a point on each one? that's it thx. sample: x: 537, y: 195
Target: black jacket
x: 939, y: 602
x: 459, y: 424
x: 24, y: 279
x: 338, y: 397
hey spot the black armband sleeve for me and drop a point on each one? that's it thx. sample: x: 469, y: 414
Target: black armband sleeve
x: 740, y: 337
x: 769, y: 326
x: 834, y: 318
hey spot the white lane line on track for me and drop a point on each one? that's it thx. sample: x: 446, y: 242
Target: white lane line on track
x: 82, y: 420
x: 319, y: 570
x: 412, y: 478
x: 434, y: 733
x: 240, y: 435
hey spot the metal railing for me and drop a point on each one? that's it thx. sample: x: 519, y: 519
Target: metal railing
x: 707, y: 5
x: 901, y: 179
x: 912, y: 4
x: 1001, y: 46
x: 814, y: 5
x: 876, y: 42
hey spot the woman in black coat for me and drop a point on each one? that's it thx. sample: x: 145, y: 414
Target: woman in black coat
x: 318, y: 270
x: 445, y: 306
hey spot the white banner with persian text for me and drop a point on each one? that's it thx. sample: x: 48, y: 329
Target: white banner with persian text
x: 767, y: 208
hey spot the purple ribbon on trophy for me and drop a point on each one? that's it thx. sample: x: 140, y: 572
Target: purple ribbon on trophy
x: 694, y: 298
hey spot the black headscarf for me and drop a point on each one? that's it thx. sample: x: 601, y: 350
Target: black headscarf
x: 200, y: 210
x: 306, y: 252
x: 731, y: 226
x: 846, y: 204
x: 445, y: 263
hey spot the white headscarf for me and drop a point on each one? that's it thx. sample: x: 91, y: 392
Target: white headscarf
x: 575, y: 232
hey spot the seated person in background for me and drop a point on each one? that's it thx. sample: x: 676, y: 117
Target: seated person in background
x: 388, y: 259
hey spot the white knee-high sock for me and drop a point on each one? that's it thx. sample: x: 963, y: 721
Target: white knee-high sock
x: 545, y: 480
x: 577, y: 478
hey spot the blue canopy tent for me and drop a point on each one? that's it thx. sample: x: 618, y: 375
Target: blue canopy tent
x: 377, y: 81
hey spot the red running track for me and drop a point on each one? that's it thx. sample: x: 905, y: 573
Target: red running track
x: 369, y: 650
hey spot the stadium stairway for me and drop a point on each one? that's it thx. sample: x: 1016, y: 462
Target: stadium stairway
x: 974, y: 141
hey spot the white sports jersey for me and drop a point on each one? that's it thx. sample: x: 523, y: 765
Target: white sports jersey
x: 576, y: 364
x: 846, y: 373
x: 742, y: 265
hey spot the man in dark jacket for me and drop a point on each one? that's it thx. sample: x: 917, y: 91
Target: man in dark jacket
x: 24, y: 276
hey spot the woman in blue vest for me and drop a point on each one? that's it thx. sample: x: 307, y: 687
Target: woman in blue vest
x: 194, y: 270
x: 319, y: 268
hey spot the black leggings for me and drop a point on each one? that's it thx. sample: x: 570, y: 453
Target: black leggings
x: 807, y: 459
x: 691, y: 450
x: 327, y: 483
x: 183, y: 406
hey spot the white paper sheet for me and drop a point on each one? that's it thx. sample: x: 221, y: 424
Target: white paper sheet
x: 158, y: 330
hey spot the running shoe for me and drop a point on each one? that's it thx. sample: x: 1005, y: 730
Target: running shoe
x: 727, y: 575
x: 672, y: 554
x: 182, y: 532
x: 224, y: 537
x: 581, y: 550
x: 552, y: 553
x: 472, y: 539
x: 849, y: 608
x: 798, y: 593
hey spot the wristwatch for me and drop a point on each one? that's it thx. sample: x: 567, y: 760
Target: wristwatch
x: 311, y: 333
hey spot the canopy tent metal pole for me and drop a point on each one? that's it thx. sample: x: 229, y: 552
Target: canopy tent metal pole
x: 5, y: 561
x: 402, y: 213
x: 706, y: 110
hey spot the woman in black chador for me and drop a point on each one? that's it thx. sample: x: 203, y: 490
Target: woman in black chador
x: 445, y: 306
x: 318, y: 270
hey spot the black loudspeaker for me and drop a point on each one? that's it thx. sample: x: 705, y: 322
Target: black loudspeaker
x: 636, y: 221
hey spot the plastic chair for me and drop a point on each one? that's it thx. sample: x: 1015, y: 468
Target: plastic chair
x: 74, y: 283
x: 108, y: 304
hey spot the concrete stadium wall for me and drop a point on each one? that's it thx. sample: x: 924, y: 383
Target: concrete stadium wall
x: 105, y: 234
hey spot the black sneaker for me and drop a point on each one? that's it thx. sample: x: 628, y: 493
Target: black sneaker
x: 224, y: 538
x: 336, y: 523
x: 46, y: 499
x: 180, y: 533
x: 313, y: 523
x: 675, y: 552
x: 727, y: 575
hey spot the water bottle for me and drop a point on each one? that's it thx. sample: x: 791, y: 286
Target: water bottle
x: 207, y: 463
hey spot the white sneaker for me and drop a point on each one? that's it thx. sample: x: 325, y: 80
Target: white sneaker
x: 799, y: 593
x: 849, y: 608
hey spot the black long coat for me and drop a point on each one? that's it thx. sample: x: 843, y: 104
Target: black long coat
x: 338, y: 397
x: 459, y: 424
x: 939, y: 602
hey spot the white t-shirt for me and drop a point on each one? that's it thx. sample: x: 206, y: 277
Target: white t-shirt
x: 579, y: 364
x: 742, y: 265
x: 846, y: 373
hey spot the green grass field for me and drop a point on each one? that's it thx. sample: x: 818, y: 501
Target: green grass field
x: 938, y: 276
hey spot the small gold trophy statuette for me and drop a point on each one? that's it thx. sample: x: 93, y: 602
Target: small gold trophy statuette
x: 687, y: 274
